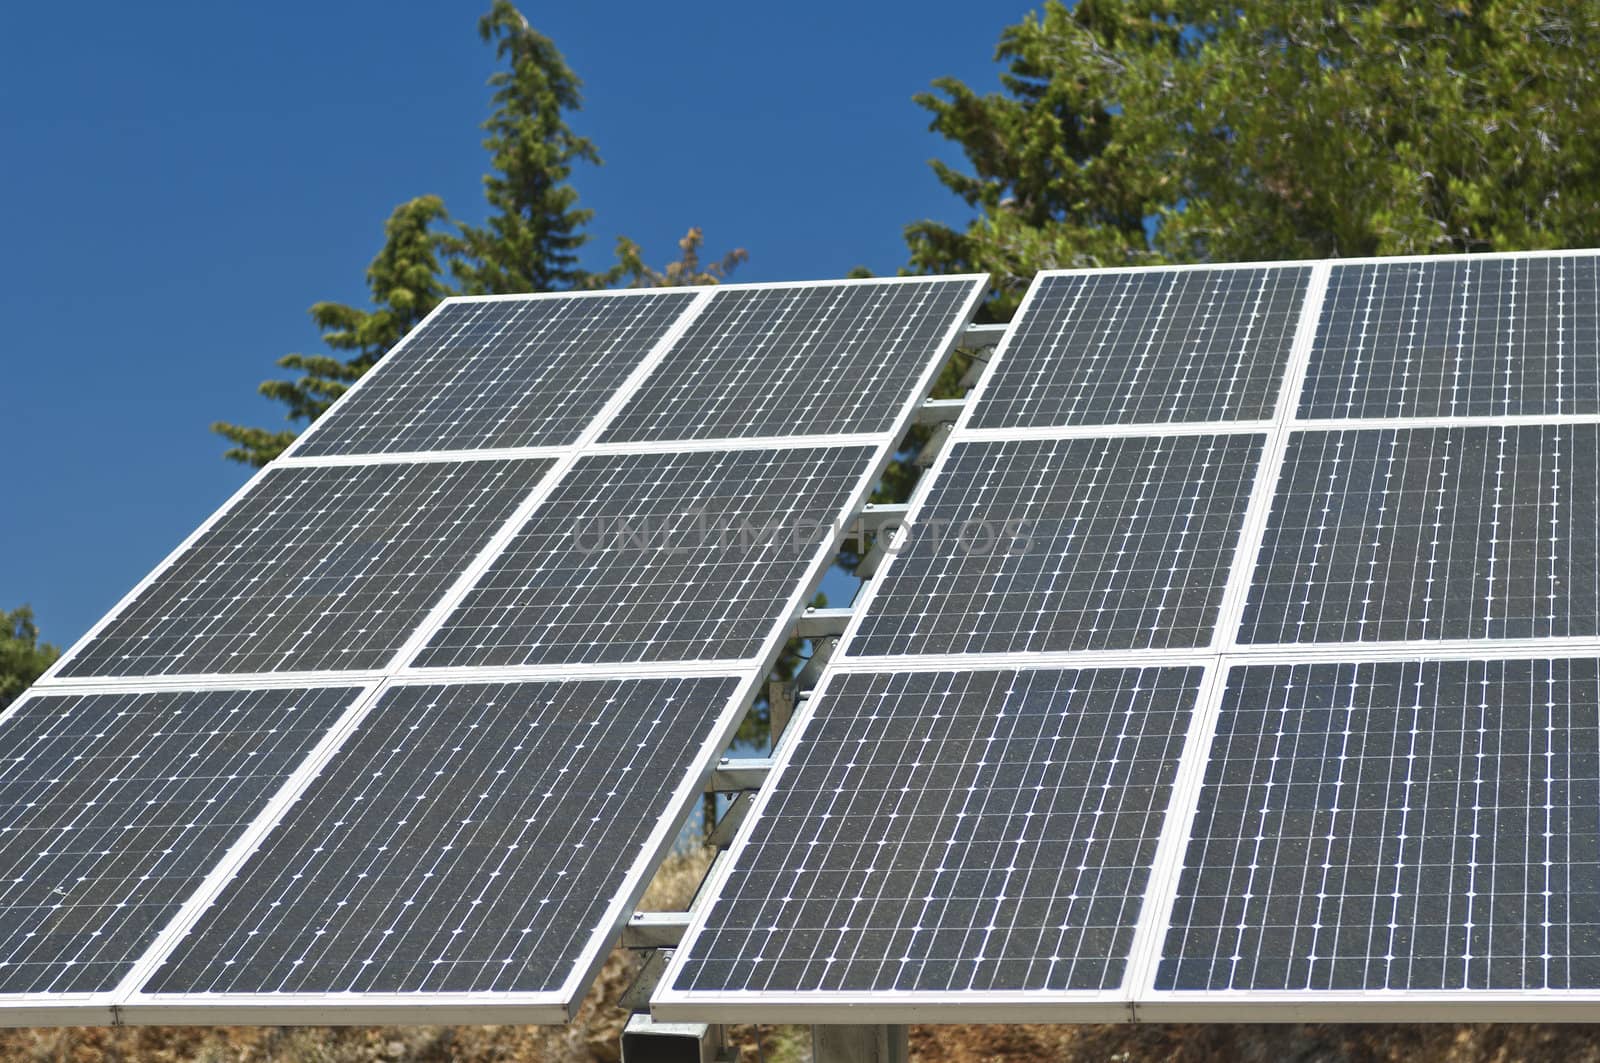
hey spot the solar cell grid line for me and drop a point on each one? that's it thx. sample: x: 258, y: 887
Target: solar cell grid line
x: 499, y: 373
x: 1397, y: 534
x: 1030, y: 546
x: 1424, y: 826
x: 631, y: 558
x: 475, y: 844
x: 978, y: 838
x: 1146, y: 346
x: 114, y: 806
x: 827, y: 358
x: 1450, y: 337
x: 306, y: 569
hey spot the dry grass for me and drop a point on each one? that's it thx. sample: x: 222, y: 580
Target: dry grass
x: 595, y: 1038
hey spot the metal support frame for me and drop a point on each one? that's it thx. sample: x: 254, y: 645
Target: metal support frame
x: 780, y: 708
x: 655, y: 930
x: 661, y: 932
x: 821, y: 654
x: 739, y: 773
x: 977, y: 337
x: 875, y: 517
x: 818, y: 623
x: 931, y: 449
x: 722, y: 834
x: 940, y: 411
x: 646, y: 1041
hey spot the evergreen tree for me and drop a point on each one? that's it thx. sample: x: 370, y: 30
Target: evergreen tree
x: 631, y: 271
x: 1140, y: 131
x: 406, y: 283
x: 1052, y: 179
x: 23, y: 658
x: 531, y: 240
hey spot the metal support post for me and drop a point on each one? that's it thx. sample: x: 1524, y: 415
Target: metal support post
x: 860, y: 1044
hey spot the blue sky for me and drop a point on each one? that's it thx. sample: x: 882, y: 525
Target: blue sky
x: 182, y: 180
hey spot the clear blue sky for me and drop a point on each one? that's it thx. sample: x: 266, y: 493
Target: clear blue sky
x: 181, y: 180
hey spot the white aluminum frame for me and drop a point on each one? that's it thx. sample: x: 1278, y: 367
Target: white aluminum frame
x: 128, y: 1005
x: 1138, y: 999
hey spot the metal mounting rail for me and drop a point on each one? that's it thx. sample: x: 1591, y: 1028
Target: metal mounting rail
x: 939, y: 411
x: 982, y: 336
x: 874, y: 517
x: 657, y: 933
x: 740, y: 773
x: 816, y: 623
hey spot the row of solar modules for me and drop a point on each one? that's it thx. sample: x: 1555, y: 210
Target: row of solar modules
x: 1177, y: 701
x: 409, y: 723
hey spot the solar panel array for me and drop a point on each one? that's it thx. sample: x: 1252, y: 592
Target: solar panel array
x: 1238, y: 660
x: 409, y: 722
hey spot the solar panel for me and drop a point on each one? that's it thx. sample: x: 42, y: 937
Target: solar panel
x: 1381, y: 799
x: 113, y: 808
x: 1398, y: 825
x: 657, y: 557
x: 484, y: 373
x: 1476, y: 336
x: 818, y: 359
x: 320, y: 568
x: 1146, y: 347
x: 1076, y: 544
x: 470, y: 842
x: 476, y: 838
x: 1477, y: 532
x: 942, y: 833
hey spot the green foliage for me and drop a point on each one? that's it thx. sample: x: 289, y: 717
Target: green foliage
x: 23, y: 658
x: 1137, y: 132
x: 406, y: 282
x: 1053, y: 180
x: 531, y: 241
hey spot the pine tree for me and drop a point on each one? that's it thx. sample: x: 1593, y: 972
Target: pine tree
x: 531, y: 240
x: 632, y: 272
x: 23, y: 658
x: 1052, y: 179
x: 406, y: 281
x: 1141, y: 131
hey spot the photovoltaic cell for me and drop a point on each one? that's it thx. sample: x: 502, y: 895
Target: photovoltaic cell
x: 954, y: 831
x: 1458, y: 337
x: 315, y: 568
x: 465, y: 839
x: 1147, y: 347
x: 1432, y: 533
x: 802, y: 360
x: 501, y: 373
x: 1399, y: 825
x: 114, y: 807
x: 655, y: 557
x: 1078, y: 544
